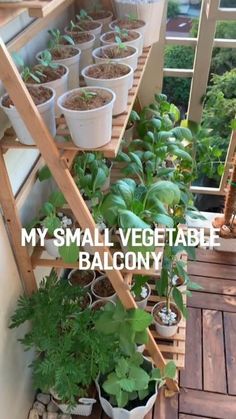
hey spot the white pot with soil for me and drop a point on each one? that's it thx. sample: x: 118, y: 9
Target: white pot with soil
x: 102, y: 289
x: 89, y: 26
x: 84, y: 41
x: 66, y: 222
x: 104, y: 17
x: 57, y: 79
x: 88, y: 113
x: 138, y: 412
x: 166, y: 323
x: 142, y: 299
x: 131, y: 38
x: 131, y: 25
x: 81, y: 278
x: 44, y: 99
x: 100, y: 304
x: 69, y: 56
x: 114, y: 53
x: 83, y: 408
x: 116, y: 77
x: 149, y: 12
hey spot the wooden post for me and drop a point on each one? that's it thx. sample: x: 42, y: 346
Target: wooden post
x: 28, y: 111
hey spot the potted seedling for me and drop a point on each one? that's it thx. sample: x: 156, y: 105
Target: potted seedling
x: 132, y: 38
x: 118, y: 52
x: 102, y: 16
x: 117, y: 77
x: 60, y: 333
x: 130, y: 388
x: 53, y: 216
x: 82, y: 278
x: 141, y: 290
x: 52, y: 75
x: 85, y: 24
x: 102, y: 289
x: 130, y: 22
x: 88, y: 113
x: 67, y: 54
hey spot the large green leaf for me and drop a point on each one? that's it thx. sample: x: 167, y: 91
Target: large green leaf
x: 170, y: 370
x: 140, y: 320
x: 99, y: 179
x: 122, y: 368
x: 127, y: 219
x: 70, y: 253
x: 164, y: 219
x: 57, y: 199
x: 140, y: 377
x: 166, y: 191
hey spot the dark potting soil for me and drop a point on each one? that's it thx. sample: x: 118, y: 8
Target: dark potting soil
x: 77, y: 101
x: 79, y: 38
x: 112, y: 52
x: 107, y: 71
x: 39, y: 95
x: 103, y: 288
x: 49, y: 74
x: 81, y: 278
x: 129, y: 36
x: 62, y: 53
x: 130, y: 23
x: 100, y: 14
x: 158, y: 319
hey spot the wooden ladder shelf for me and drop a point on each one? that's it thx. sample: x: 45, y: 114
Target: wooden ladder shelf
x: 59, y: 160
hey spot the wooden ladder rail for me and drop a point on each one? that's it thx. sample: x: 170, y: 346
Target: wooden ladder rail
x: 19, y: 94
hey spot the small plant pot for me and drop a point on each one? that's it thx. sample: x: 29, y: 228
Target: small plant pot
x: 140, y: 27
x: 143, y: 303
x: 104, y: 17
x: 60, y: 86
x: 91, y: 128
x: 137, y: 42
x: 46, y: 111
x: 75, y: 278
x: 111, y: 297
x: 85, y: 43
x: 83, y: 408
x: 119, y: 85
x: 96, y: 30
x: 99, y: 304
x: 162, y: 329
x: 51, y: 248
x: 131, y: 59
x: 72, y: 63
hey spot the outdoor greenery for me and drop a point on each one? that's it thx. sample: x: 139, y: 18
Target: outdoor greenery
x: 173, y: 9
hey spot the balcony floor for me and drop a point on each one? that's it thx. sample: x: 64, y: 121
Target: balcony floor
x: 208, y: 383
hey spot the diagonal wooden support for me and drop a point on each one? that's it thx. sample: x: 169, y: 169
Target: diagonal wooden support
x: 45, y: 142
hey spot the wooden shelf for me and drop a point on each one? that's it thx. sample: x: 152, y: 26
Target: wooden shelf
x: 35, y: 8
x: 110, y: 150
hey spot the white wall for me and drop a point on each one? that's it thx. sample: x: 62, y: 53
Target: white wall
x: 16, y: 391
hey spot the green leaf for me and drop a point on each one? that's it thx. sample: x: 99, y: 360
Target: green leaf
x: 142, y: 394
x: 127, y: 219
x: 122, y: 398
x: 99, y: 179
x: 141, y: 338
x: 156, y: 374
x: 122, y: 368
x: 178, y: 299
x: 111, y: 385
x: 70, y: 253
x: 44, y: 173
x: 57, y: 199
x: 140, y: 320
x: 175, y: 111
x: 166, y: 191
x: 194, y: 286
x: 170, y: 370
x: 164, y: 219
x: 140, y: 376
x: 127, y: 384
x: 135, y: 158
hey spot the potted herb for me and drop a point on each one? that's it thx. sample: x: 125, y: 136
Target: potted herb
x: 44, y: 99
x: 82, y: 278
x: 132, y: 38
x: 51, y: 75
x: 88, y: 113
x: 117, y: 77
x: 119, y: 53
x: 129, y: 22
x: 102, y: 289
x: 141, y: 290
x: 61, y: 333
x: 67, y: 55
x: 85, y: 42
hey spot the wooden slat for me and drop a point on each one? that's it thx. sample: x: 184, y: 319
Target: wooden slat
x: 36, y: 8
x: 166, y: 408
x: 214, y: 376
x: 212, y: 269
x: 230, y: 350
x: 183, y: 416
x: 191, y: 376
x: 212, y: 302
x: 222, y: 258
x: 216, y: 285
x: 205, y: 403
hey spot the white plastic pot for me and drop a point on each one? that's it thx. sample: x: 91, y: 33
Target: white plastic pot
x: 72, y: 63
x: 102, y: 301
x: 96, y: 32
x: 105, y: 21
x: 164, y: 330
x: 91, y: 128
x: 120, y: 413
x: 84, y: 408
x: 141, y: 29
x: 45, y: 109
x: 112, y: 297
x: 151, y: 13
x: 60, y: 86
x: 131, y: 60
x: 137, y: 43
x: 85, y: 286
x: 51, y: 248
x: 86, y: 49
x: 143, y: 303
x: 120, y: 86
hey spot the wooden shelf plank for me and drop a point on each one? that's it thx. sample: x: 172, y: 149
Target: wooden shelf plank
x: 110, y: 150
x: 36, y: 8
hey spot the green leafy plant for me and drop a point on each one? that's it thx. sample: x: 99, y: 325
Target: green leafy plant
x: 173, y: 9
x: 139, y: 282
x: 87, y: 95
x: 57, y: 38
x: 47, y: 61
x: 120, y: 44
x: 61, y: 331
x: 26, y: 72
x: 83, y: 15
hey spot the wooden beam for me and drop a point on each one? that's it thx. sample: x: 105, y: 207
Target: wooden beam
x: 226, y: 13
x: 13, y: 83
x: 178, y: 72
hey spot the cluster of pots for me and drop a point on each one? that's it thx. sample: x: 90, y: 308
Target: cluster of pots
x: 108, y: 71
